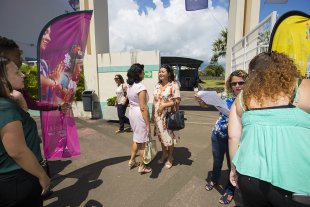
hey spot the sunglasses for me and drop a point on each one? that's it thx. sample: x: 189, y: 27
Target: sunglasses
x: 116, y: 78
x: 241, y: 83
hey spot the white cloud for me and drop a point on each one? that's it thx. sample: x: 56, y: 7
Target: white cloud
x: 173, y: 31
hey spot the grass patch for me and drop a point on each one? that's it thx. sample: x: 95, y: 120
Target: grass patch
x: 213, y: 83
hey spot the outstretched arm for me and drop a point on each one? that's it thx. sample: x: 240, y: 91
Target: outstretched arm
x: 234, y: 132
x: 37, y: 105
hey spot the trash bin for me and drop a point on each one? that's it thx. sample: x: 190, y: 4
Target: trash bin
x: 87, y: 98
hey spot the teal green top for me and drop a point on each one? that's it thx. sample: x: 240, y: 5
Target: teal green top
x: 275, y: 147
x: 9, y: 112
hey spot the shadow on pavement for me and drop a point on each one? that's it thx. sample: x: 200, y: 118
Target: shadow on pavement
x: 93, y: 203
x: 197, y: 108
x: 181, y: 157
x: 221, y: 186
x: 56, y: 166
x: 87, y: 179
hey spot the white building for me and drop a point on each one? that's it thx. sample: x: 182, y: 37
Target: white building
x: 22, y: 21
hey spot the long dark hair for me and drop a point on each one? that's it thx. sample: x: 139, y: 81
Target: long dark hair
x: 133, y: 74
x: 4, y: 83
x: 120, y: 77
x: 169, y: 71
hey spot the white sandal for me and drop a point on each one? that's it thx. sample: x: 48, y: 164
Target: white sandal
x: 132, y: 164
x: 144, y: 169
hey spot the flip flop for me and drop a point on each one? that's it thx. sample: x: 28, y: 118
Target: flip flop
x: 209, y: 186
x: 119, y: 131
x: 132, y: 164
x: 224, y: 199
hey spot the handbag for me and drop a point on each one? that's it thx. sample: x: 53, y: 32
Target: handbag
x: 150, y: 150
x: 175, y: 121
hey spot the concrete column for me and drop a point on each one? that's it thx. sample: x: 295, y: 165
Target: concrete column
x: 242, y: 18
x: 98, y: 40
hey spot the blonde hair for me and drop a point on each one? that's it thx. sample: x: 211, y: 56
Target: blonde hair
x: 239, y: 73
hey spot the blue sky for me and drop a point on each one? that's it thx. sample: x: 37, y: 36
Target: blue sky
x: 164, y: 25
x: 266, y: 9
x: 149, y: 4
x: 301, y: 5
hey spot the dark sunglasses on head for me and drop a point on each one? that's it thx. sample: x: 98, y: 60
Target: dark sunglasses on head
x: 116, y: 78
x: 241, y: 83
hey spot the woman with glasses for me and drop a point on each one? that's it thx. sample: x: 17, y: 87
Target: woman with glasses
x: 121, y: 102
x: 166, y: 98
x: 269, y: 134
x: 10, y: 50
x: 22, y: 179
x: 219, y: 136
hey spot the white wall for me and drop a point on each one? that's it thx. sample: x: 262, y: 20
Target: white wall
x: 121, y: 62
x: 22, y: 20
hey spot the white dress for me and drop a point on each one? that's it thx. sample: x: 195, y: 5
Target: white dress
x: 137, y: 122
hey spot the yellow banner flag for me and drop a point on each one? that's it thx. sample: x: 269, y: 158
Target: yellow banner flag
x: 291, y: 35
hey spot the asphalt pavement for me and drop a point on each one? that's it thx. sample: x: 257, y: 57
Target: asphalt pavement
x: 101, y: 177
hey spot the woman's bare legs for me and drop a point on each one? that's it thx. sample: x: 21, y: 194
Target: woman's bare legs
x: 142, y: 168
x: 164, y: 154
x: 132, y: 161
x: 134, y: 151
x: 169, y: 162
x: 141, y: 147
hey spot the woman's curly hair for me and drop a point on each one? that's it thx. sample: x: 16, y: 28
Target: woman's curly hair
x: 270, y: 75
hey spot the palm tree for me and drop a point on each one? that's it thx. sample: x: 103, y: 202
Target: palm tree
x: 219, y: 47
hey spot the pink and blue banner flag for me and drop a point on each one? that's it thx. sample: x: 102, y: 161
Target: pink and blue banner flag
x: 61, y: 47
x: 192, y: 5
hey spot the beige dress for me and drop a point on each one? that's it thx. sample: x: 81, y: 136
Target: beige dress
x: 165, y: 94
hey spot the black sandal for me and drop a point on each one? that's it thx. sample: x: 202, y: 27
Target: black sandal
x: 209, y: 186
x: 224, y: 199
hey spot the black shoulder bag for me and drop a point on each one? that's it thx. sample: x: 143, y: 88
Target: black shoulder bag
x: 175, y: 121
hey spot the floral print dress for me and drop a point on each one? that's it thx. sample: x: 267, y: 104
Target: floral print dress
x: 165, y: 94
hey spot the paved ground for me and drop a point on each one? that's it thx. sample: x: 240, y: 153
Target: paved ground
x: 100, y: 176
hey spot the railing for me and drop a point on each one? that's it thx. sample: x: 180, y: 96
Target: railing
x: 255, y: 42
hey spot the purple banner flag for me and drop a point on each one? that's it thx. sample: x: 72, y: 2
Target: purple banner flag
x: 275, y: 1
x: 61, y: 47
x: 192, y: 5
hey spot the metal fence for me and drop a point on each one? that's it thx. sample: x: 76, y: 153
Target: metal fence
x: 255, y: 42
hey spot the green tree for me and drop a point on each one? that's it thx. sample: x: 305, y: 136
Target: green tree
x: 80, y: 88
x: 214, y: 70
x: 31, y: 80
x: 219, y: 47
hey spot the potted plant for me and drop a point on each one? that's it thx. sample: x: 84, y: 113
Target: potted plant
x: 111, y: 101
x: 110, y: 111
